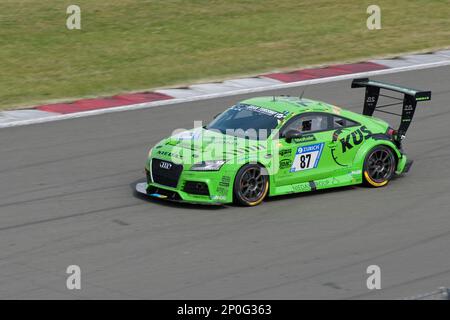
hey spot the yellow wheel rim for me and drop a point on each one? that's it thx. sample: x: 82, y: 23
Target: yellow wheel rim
x: 373, y: 183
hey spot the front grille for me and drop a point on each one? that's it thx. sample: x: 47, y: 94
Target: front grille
x: 194, y: 187
x: 166, y: 173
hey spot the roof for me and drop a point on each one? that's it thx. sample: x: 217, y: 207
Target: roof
x: 294, y: 105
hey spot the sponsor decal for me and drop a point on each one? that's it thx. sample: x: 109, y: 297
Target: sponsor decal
x: 225, y: 182
x: 307, y: 157
x: 408, y: 107
x: 355, y: 174
x: 322, y: 183
x: 355, y: 138
x: 335, y: 158
x: 299, y: 187
x: 272, y: 113
x: 305, y: 138
x: 285, y: 152
x: 222, y: 190
x: 335, y: 138
x: 168, y: 154
x: 285, y: 163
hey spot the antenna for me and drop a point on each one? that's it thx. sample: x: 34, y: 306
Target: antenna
x: 303, y: 92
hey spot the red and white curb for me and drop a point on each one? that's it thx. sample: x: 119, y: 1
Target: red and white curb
x: 271, y: 81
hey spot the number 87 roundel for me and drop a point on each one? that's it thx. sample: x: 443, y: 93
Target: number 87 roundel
x: 307, y: 157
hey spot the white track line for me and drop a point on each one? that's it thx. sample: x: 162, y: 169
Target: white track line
x: 223, y: 94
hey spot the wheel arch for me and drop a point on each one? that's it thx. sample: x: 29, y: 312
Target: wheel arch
x: 269, y: 180
x: 362, y: 152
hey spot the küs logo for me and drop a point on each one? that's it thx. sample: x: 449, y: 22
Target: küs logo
x: 355, y: 138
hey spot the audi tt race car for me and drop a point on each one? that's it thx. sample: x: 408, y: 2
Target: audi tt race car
x: 269, y: 146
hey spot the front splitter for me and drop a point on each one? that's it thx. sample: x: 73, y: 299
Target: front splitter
x: 142, y: 189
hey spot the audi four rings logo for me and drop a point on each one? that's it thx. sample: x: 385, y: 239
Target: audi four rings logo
x: 165, y: 165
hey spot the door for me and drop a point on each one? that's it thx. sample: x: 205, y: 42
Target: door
x: 307, y: 158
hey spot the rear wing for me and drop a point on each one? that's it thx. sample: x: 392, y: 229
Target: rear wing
x: 409, y: 101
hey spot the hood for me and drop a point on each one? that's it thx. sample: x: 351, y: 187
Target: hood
x: 200, y: 144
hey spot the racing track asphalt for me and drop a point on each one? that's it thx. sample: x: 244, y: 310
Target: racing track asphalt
x: 66, y: 198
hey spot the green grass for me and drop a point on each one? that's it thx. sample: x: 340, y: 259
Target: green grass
x: 128, y: 45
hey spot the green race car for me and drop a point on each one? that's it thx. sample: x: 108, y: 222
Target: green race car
x: 269, y: 146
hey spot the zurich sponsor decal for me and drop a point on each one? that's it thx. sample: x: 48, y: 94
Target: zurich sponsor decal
x: 307, y: 157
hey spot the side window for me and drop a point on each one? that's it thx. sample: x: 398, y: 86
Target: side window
x: 309, y: 123
x: 339, y: 122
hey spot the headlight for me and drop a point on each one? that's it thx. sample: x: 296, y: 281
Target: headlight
x: 208, y: 165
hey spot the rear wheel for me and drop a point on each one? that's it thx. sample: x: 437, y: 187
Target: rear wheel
x: 251, y: 185
x: 379, y: 167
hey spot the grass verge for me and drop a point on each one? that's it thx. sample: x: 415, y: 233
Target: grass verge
x: 128, y: 45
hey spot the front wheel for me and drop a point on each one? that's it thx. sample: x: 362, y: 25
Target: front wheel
x: 251, y: 185
x: 379, y: 167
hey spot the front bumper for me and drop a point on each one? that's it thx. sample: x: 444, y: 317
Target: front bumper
x: 219, y: 184
x: 142, y: 188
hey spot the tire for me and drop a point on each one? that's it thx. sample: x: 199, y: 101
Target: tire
x: 250, y: 185
x: 379, y: 167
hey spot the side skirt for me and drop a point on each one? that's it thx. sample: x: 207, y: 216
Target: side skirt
x: 355, y: 177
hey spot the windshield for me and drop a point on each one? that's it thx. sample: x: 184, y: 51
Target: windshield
x: 247, y: 121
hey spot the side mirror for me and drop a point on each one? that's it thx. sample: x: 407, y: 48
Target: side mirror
x: 217, y: 115
x: 292, y: 134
